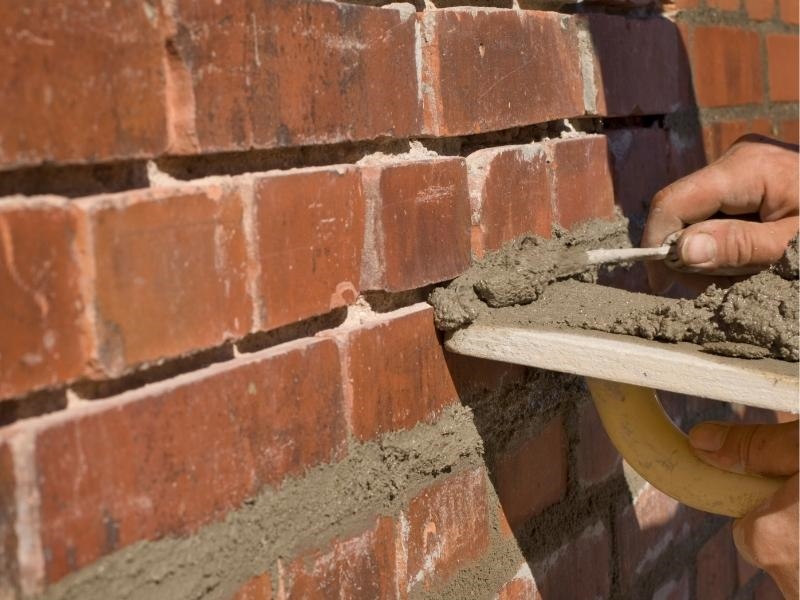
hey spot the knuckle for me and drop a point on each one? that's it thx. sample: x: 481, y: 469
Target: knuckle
x: 738, y: 246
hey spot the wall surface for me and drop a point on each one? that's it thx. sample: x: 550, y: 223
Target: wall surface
x: 219, y: 222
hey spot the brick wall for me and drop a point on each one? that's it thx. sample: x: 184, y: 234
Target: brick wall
x: 218, y: 225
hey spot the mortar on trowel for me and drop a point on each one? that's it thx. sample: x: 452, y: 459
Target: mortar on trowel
x: 524, y: 306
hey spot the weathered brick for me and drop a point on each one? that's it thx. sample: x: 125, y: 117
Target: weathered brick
x: 789, y: 11
x: 351, y: 75
x: 509, y: 195
x: 652, y: 80
x: 645, y: 530
x: 716, y: 567
x: 598, y: 459
x: 726, y: 5
x: 490, y: 70
x: 789, y: 131
x: 532, y: 476
x: 726, y: 65
x: 310, y: 228
x: 361, y: 568
x: 719, y: 136
x: 782, y: 61
x: 257, y: 588
x: 82, y: 83
x: 44, y: 334
x: 581, y: 181
x: 170, y: 457
x: 521, y: 587
x: 475, y: 376
x: 674, y: 589
x: 579, y: 569
x: 447, y: 529
x: 418, y: 223
x: 169, y: 270
x: 9, y: 569
x: 416, y: 386
x: 760, y: 10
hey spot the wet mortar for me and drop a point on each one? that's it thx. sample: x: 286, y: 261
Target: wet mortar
x: 533, y: 282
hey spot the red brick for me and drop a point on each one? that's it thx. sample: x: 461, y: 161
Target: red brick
x: 658, y: 66
x: 726, y: 64
x: 789, y: 131
x: 415, y: 387
x: 44, y: 338
x: 77, y: 84
x: 686, y: 4
x: 169, y: 272
x: 521, y: 587
x: 726, y: 5
x: 789, y: 10
x: 491, y: 70
x: 598, y: 459
x: 782, y: 58
x: 645, y: 531
x: 760, y: 10
x: 447, y: 528
x: 581, y: 180
x: 351, y: 75
x: 418, y: 229
x: 675, y: 589
x: 509, y: 194
x: 719, y: 136
x: 476, y: 376
x: 767, y: 590
x: 9, y: 569
x: 716, y: 567
x: 532, y: 476
x: 258, y: 588
x: 310, y: 226
x: 167, y: 458
x: 579, y: 569
x: 362, y: 567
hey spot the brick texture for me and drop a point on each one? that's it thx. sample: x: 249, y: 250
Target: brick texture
x: 725, y: 5
x: 521, y: 587
x: 491, y: 70
x: 350, y: 76
x: 789, y: 131
x: 532, y: 476
x: 582, y: 186
x: 415, y: 389
x: 310, y: 228
x: 675, y: 589
x: 447, y: 528
x: 598, y: 459
x: 169, y: 272
x: 44, y: 339
x: 782, y: 58
x: 76, y: 86
x: 258, y: 588
x: 509, y: 194
x: 716, y: 567
x: 9, y: 571
x: 789, y: 10
x: 418, y: 224
x: 760, y: 10
x: 726, y: 65
x: 173, y: 456
x: 719, y: 136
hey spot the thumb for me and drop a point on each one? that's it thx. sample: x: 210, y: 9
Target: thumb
x: 762, y: 449
x: 733, y: 245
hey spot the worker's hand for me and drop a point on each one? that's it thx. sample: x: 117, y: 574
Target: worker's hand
x: 767, y: 537
x: 756, y: 176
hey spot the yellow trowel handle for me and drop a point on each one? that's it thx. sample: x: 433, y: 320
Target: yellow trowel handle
x: 658, y: 451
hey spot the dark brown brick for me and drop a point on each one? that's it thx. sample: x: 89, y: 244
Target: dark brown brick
x: 598, y: 459
x: 716, y: 567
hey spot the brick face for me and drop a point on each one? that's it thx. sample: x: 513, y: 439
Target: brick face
x: 782, y: 58
x: 598, y: 459
x: 63, y: 100
x: 447, y: 528
x: 44, y: 339
x: 418, y: 228
x: 310, y: 226
x: 532, y: 476
x: 417, y: 386
x: 9, y: 571
x: 350, y: 76
x: 170, y: 457
x: 789, y: 10
x: 169, y: 272
x: 760, y: 10
x: 491, y: 70
x: 581, y: 180
x: 716, y: 567
x: 726, y: 65
x: 719, y: 137
x: 509, y: 194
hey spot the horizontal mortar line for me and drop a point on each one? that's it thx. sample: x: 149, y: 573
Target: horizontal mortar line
x: 740, y: 21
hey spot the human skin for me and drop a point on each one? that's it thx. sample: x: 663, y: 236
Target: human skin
x: 755, y: 177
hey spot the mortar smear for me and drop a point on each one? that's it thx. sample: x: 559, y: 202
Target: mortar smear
x: 754, y: 318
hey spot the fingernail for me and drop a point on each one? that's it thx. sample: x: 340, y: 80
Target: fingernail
x: 699, y: 249
x: 708, y: 436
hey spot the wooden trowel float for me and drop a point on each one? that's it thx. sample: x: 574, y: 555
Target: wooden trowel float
x: 623, y: 373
